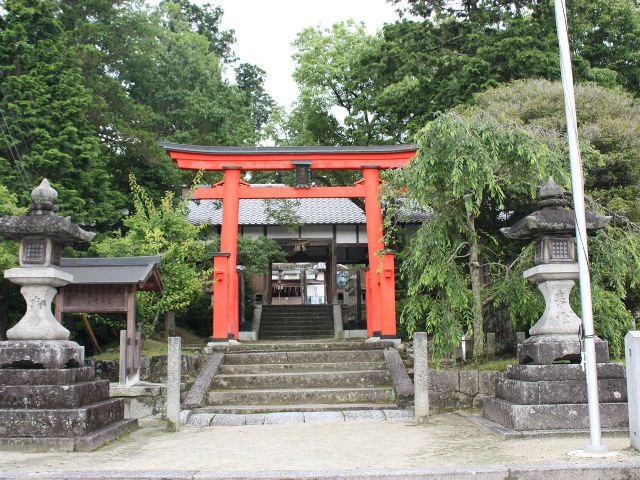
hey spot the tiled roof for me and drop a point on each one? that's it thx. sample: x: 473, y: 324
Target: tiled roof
x: 309, y: 210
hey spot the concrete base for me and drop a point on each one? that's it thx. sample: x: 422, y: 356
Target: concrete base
x: 547, y: 349
x: 36, y: 354
x: 248, y: 336
x: 554, y: 397
x: 354, y: 333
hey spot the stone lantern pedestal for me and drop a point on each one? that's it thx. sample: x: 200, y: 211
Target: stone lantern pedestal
x: 548, y: 390
x: 48, y: 399
x: 556, y: 335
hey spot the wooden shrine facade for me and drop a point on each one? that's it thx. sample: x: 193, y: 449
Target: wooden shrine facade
x: 380, y: 277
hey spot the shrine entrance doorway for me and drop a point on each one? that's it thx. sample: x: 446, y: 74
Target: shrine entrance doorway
x: 232, y: 161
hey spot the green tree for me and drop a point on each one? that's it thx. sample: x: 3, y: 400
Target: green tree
x: 161, y: 229
x: 467, y: 169
x: 45, y: 107
x: 8, y: 248
x: 609, y: 129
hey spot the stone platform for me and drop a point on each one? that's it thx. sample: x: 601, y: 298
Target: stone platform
x: 554, y: 397
x: 58, y: 409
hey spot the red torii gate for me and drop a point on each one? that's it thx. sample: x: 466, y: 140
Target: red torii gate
x: 380, y: 278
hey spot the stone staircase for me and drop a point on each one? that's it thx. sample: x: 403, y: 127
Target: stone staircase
x: 296, y: 322
x: 299, y: 377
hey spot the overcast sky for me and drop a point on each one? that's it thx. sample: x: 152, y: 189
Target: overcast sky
x: 265, y: 30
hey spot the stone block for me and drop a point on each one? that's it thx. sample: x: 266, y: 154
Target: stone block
x: 109, y: 369
x: 443, y: 380
x: 184, y: 416
x: 254, y: 418
x: 421, y: 376
x: 561, y: 372
x: 491, y: 345
x: 57, y: 423
x: 546, y: 349
x: 401, y: 381
x: 364, y: 416
x: 282, y: 418
x: 228, y: 420
x: 487, y: 381
x: 552, y: 417
x: 398, y: 415
x: 64, y: 376
x: 200, y: 419
x: 323, y: 417
x: 198, y: 392
x: 53, y: 396
x: 173, y: 380
x: 35, y: 354
x: 479, y: 399
x: 469, y: 383
x: 520, y: 337
x: 84, y: 443
x: 632, y: 355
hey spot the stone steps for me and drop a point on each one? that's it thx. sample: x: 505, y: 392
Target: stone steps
x: 314, y: 356
x: 305, y: 407
x: 299, y: 367
x: 301, y: 346
x: 321, y: 336
x: 295, y: 330
x: 299, y: 322
x: 291, y: 396
x: 297, y: 326
x: 275, y: 378
x: 357, y: 378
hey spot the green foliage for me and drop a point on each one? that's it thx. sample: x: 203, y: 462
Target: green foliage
x: 609, y: 129
x: 8, y: 248
x: 473, y: 165
x: 466, y: 170
x: 283, y: 212
x: 45, y: 106
x: 89, y: 87
x: 257, y: 255
x: 161, y: 229
x: 439, y: 54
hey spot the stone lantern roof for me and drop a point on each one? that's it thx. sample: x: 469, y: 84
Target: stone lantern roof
x: 43, y: 221
x: 554, y: 217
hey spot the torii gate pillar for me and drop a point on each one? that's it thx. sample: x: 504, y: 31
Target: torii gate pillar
x: 225, y: 276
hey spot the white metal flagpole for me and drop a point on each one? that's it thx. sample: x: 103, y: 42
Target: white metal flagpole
x: 596, y: 445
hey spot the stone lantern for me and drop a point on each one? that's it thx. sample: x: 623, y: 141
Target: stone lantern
x: 38, y: 340
x: 545, y: 393
x: 48, y: 399
x: 556, y: 335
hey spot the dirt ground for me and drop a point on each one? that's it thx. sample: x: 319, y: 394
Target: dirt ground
x: 448, y: 440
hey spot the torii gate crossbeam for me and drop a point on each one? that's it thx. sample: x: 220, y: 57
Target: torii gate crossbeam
x: 380, y: 279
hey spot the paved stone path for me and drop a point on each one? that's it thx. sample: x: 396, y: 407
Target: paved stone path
x: 448, y: 441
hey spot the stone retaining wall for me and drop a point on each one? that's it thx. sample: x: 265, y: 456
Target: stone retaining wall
x: 152, y: 369
x: 454, y: 388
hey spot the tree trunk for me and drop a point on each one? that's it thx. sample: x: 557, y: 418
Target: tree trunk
x: 476, y: 289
